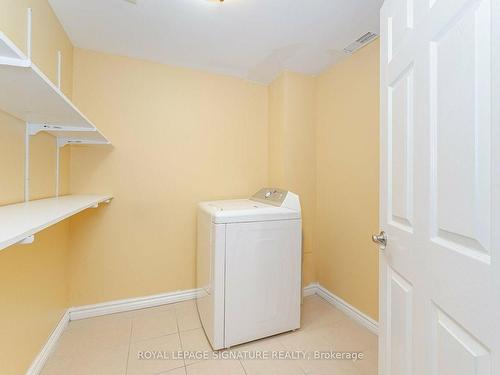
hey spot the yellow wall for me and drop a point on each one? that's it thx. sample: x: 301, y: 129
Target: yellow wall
x: 292, y: 159
x: 179, y: 137
x: 34, y: 296
x: 347, y: 179
x: 33, y: 280
x: 11, y: 159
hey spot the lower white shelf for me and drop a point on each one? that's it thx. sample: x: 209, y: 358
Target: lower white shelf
x: 18, y: 222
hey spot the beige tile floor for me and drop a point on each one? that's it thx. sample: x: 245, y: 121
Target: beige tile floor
x: 110, y: 345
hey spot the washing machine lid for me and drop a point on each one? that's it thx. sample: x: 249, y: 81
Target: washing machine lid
x: 246, y: 210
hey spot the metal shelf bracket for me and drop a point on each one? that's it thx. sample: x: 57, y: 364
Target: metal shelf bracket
x: 27, y: 241
x: 34, y: 129
x: 107, y: 201
x: 61, y: 142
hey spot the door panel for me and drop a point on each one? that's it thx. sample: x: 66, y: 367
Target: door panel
x: 401, y: 324
x: 440, y: 187
x: 400, y: 102
x: 399, y: 24
x: 456, y: 351
x: 461, y: 128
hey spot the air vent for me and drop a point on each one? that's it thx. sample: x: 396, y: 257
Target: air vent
x: 360, y: 42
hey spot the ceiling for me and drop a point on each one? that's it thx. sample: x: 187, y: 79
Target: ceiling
x: 251, y: 39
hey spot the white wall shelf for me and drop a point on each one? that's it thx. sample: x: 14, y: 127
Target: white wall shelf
x: 20, y: 222
x: 26, y: 93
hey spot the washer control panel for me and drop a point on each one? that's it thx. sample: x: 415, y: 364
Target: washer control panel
x: 273, y: 196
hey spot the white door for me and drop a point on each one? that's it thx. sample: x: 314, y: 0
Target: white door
x: 440, y: 187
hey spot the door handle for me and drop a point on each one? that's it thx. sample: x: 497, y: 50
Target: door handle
x: 380, y: 239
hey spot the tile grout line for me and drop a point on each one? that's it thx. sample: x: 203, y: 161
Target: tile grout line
x: 160, y: 336
x: 243, y: 366
x: 180, y: 339
x: 154, y: 337
x: 129, y: 344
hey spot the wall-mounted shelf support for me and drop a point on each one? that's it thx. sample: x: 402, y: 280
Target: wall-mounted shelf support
x: 61, y: 142
x: 26, y: 164
x: 107, y: 201
x: 27, y: 241
x: 34, y: 129
x: 67, y: 135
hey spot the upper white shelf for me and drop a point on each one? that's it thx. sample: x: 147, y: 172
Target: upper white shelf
x: 20, y: 221
x: 26, y: 93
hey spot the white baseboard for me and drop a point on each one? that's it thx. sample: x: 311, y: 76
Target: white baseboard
x: 41, y: 358
x: 130, y: 304
x: 339, y: 303
x: 310, y: 290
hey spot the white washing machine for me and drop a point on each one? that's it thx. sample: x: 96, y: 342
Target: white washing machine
x: 249, y: 267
